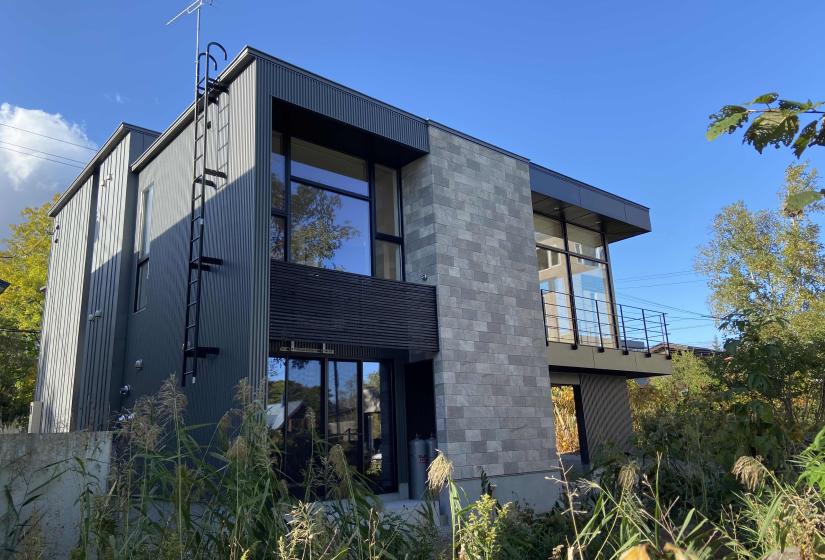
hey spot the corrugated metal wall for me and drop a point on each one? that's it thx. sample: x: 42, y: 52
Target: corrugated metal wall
x: 62, y: 313
x: 606, y: 405
x: 311, y: 92
x: 232, y: 233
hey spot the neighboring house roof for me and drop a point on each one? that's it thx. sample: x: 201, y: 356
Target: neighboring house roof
x: 674, y: 347
x: 275, y: 413
x: 120, y: 132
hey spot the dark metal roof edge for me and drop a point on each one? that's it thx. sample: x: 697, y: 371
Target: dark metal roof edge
x: 269, y: 58
x: 475, y: 140
x: 584, y: 185
x: 119, y: 134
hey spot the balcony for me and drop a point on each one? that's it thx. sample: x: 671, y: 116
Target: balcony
x: 627, y: 331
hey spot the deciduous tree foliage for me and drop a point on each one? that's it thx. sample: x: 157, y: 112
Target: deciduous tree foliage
x: 776, y: 122
x: 23, y: 263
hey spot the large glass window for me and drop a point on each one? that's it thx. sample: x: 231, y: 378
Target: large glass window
x: 333, y: 212
x: 329, y: 167
x: 575, y: 290
x: 329, y: 230
x: 356, y: 413
x: 585, y: 242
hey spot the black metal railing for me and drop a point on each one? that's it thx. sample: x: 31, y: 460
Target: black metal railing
x: 585, y: 321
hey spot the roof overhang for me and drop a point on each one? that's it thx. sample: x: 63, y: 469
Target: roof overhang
x: 119, y: 134
x: 565, y: 198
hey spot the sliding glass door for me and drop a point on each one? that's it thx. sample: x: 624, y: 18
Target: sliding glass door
x: 328, y: 402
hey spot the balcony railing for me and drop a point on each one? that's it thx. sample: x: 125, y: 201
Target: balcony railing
x: 579, y: 320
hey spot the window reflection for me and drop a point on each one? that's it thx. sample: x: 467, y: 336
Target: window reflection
x: 330, y: 167
x: 585, y: 242
x: 594, y: 314
x: 548, y: 231
x: 301, y: 416
x: 278, y: 171
x: 342, y: 408
x: 387, y: 260
x: 329, y: 230
x: 555, y: 290
x: 386, y: 201
x: 276, y: 237
x: 379, y: 465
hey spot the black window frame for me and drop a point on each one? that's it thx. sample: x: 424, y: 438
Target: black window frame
x: 374, y: 235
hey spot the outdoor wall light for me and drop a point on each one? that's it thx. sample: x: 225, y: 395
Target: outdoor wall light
x: 139, y: 364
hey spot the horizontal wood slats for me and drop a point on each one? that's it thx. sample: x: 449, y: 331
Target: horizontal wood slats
x: 314, y: 304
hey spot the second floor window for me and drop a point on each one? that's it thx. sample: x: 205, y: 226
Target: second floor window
x: 144, y: 242
x: 574, y: 282
x: 334, y: 210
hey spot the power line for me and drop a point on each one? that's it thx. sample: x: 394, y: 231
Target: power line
x: 42, y: 152
x: 657, y: 275
x: 21, y: 331
x: 41, y: 157
x: 668, y: 306
x: 49, y: 137
x: 661, y: 284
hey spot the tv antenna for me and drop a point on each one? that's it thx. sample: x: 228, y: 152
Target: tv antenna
x: 194, y: 8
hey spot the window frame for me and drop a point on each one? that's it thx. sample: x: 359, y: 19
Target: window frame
x: 568, y: 255
x: 143, y: 234
x: 374, y: 234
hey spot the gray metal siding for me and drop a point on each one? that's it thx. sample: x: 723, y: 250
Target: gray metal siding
x: 606, y: 405
x: 62, y: 313
x: 155, y: 334
x: 105, y: 285
x: 311, y: 92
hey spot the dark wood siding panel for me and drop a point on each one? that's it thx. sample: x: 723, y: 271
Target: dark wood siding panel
x: 337, y: 307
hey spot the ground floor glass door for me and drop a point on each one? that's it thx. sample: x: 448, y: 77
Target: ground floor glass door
x: 324, y: 402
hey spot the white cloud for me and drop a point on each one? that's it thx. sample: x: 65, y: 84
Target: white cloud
x: 27, y: 180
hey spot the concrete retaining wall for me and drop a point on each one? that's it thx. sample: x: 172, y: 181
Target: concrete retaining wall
x: 44, y: 464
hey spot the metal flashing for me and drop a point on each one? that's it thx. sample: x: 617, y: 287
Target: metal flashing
x: 119, y: 134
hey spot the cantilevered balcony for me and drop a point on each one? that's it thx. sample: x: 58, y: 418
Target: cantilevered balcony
x: 593, y: 333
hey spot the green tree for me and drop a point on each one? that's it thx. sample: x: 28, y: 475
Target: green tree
x: 23, y: 263
x: 776, y: 122
x: 766, y: 273
x: 316, y: 234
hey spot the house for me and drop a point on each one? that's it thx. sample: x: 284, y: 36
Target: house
x: 382, y: 275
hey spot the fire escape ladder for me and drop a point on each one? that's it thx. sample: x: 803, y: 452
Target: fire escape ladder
x: 207, y: 92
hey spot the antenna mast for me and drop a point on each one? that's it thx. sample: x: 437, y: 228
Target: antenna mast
x: 194, y: 7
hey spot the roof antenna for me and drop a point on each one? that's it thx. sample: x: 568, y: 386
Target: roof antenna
x: 194, y: 7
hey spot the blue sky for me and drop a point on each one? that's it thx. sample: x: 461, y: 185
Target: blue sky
x: 616, y: 94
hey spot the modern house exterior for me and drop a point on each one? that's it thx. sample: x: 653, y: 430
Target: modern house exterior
x: 383, y: 276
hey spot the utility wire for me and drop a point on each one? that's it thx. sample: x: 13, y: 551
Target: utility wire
x: 22, y: 331
x: 668, y: 306
x: 41, y: 157
x: 661, y: 284
x: 49, y: 137
x: 657, y: 275
x: 42, y: 152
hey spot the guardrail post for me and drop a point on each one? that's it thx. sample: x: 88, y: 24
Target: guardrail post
x: 667, y: 338
x: 624, y: 330
x: 572, y: 301
x: 599, y: 323
x: 647, y: 340
x: 544, y: 316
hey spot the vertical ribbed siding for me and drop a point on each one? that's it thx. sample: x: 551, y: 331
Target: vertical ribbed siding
x: 606, y: 405
x: 233, y: 233
x: 62, y: 313
x: 104, y: 289
x: 303, y: 89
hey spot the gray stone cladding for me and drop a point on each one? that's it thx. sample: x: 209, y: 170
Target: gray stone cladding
x: 469, y: 228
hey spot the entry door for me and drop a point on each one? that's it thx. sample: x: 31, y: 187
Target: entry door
x: 343, y: 414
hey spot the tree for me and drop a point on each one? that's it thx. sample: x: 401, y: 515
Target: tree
x: 24, y: 264
x: 766, y: 273
x: 316, y: 234
x: 776, y: 123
